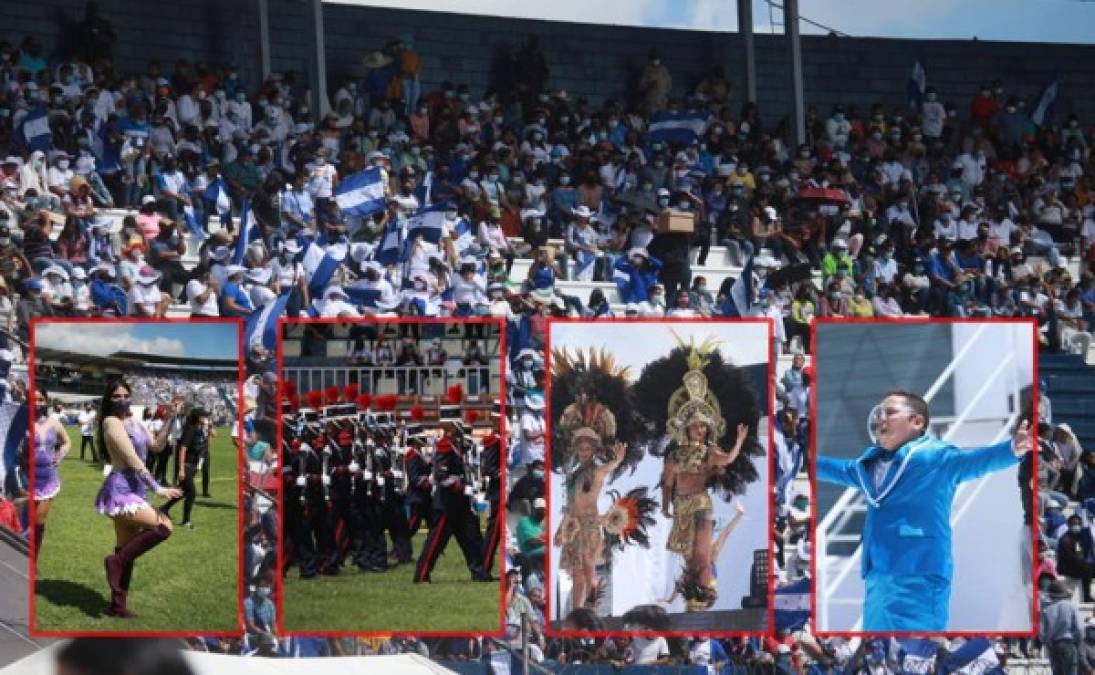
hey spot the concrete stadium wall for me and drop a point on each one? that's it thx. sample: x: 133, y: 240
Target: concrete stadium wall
x: 586, y: 60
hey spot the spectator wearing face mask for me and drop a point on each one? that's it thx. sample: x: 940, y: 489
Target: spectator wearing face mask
x: 1074, y: 550
x: 259, y: 611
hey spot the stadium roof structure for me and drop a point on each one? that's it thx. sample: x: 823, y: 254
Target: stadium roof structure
x: 129, y: 361
x: 201, y: 663
x: 178, y: 362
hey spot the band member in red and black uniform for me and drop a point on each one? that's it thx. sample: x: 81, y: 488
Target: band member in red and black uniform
x: 370, y: 550
x: 418, y: 497
x: 297, y: 529
x: 317, y: 498
x: 393, y: 511
x: 490, y: 463
x: 341, y: 467
x: 454, y: 515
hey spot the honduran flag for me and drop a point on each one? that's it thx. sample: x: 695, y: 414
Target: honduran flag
x: 13, y: 431
x: 321, y: 264
x: 1042, y: 114
x: 792, y: 605
x: 34, y: 130
x: 390, y: 248
x: 916, y: 656
x: 740, y: 299
x: 249, y: 231
x: 361, y: 194
x: 682, y: 127
x: 429, y: 222
x: 217, y: 201
x: 976, y: 657
x: 917, y: 84
x: 464, y: 237
x: 261, y: 328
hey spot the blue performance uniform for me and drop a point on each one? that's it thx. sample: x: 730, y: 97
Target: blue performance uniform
x: 907, y: 564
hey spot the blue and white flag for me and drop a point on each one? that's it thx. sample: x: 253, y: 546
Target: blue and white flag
x: 34, y: 130
x: 1042, y: 115
x: 261, y: 328
x: 362, y: 295
x: 192, y: 224
x: 740, y: 299
x: 249, y: 231
x: 321, y: 264
x: 976, y: 657
x: 788, y: 463
x: 918, y: 82
x: 792, y: 605
x: 429, y: 222
x: 679, y: 128
x: 361, y: 194
x: 390, y: 248
x: 217, y: 201
x: 463, y: 235
x: 13, y: 429
x: 916, y: 656
x: 424, y: 191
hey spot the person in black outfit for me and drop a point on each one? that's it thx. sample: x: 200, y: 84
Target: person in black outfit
x: 341, y: 468
x: 370, y: 551
x: 1074, y: 548
x: 453, y: 514
x: 418, y: 497
x: 297, y: 533
x: 490, y: 461
x: 193, y: 452
x: 527, y: 488
x: 672, y: 248
x: 393, y: 513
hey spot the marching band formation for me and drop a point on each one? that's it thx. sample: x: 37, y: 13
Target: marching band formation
x: 360, y: 479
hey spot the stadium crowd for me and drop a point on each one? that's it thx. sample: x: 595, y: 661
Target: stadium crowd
x: 952, y: 208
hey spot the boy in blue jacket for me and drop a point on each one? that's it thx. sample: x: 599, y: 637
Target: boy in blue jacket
x: 909, y: 480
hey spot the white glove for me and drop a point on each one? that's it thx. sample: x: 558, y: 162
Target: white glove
x: 366, y: 475
x: 301, y: 481
x: 380, y: 481
x: 326, y: 479
x: 354, y: 467
x: 469, y: 490
x: 397, y: 474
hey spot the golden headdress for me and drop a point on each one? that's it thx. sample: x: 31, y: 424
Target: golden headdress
x: 694, y: 400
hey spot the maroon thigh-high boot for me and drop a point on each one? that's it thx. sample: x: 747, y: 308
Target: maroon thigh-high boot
x: 119, y: 567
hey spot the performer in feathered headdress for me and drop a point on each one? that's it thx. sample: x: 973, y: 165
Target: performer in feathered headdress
x: 691, y: 425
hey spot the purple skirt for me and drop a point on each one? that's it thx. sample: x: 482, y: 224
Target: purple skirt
x: 121, y: 493
x: 47, y: 483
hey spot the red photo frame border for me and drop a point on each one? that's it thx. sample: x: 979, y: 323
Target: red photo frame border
x: 32, y: 628
x: 500, y: 324
x: 770, y: 529
x: 1035, y: 393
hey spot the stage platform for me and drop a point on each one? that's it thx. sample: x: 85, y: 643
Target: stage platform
x: 732, y: 620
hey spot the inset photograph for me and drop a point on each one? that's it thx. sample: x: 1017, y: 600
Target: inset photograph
x: 134, y: 473
x: 924, y: 472
x: 392, y: 467
x: 659, y: 458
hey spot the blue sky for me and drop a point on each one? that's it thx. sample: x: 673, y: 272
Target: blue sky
x: 1013, y: 20
x: 175, y: 339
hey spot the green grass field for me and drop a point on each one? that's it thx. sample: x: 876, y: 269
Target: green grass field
x: 189, y: 583
x: 387, y: 602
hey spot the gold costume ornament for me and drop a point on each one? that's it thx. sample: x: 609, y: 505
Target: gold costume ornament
x: 694, y: 402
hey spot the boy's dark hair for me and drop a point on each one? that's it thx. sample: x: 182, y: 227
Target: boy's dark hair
x: 916, y: 402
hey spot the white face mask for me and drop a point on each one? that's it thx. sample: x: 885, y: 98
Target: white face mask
x: 62, y: 164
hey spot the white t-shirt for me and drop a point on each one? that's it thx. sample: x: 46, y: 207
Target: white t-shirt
x: 532, y: 436
x: 321, y: 181
x: 86, y: 420
x: 194, y: 289
x: 148, y: 296
x: 645, y: 650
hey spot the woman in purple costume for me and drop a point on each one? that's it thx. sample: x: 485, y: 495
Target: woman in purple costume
x: 50, y: 446
x: 138, y: 526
